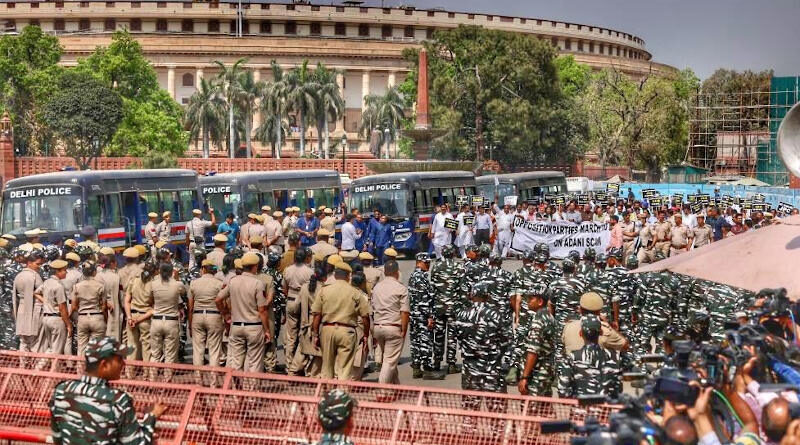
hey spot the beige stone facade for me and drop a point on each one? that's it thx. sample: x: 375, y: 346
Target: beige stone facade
x: 364, y: 43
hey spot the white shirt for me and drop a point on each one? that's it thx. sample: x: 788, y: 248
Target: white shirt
x: 441, y: 235
x: 349, y: 236
x: 689, y: 219
x: 504, y: 221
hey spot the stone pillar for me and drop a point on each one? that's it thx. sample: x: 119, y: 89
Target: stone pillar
x: 171, y: 80
x: 6, y: 149
x: 256, y: 113
x: 423, y: 118
x: 364, y: 89
x: 392, y: 79
x: 340, y: 121
x: 198, y: 76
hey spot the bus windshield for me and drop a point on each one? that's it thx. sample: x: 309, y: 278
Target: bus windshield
x: 488, y: 191
x: 54, y: 213
x: 392, y: 203
x: 223, y: 203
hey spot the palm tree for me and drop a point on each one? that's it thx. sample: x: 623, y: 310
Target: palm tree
x: 229, y: 88
x: 274, y: 103
x: 329, y: 104
x: 249, y: 92
x: 385, y: 110
x: 301, y: 95
x: 204, y: 114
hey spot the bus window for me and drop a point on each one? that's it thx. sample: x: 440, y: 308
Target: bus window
x: 223, y: 203
x: 250, y: 204
x: 298, y: 198
x: 187, y: 202
x: 104, y: 211
x: 324, y: 197
x: 170, y: 201
x: 149, y: 203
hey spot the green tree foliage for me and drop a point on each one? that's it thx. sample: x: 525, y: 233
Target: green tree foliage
x: 229, y: 87
x: 84, y: 115
x: 123, y: 66
x: 160, y: 159
x: 329, y: 105
x: 302, y: 91
x: 145, y: 130
x: 383, y: 112
x: 205, y: 115
x: 499, y: 88
x: 274, y: 103
x: 28, y: 78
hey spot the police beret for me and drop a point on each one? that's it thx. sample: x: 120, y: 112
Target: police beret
x: 335, y: 259
x: 38, y: 246
x: 196, y: 212
x: 58, y: 264
x: 349, y: 255
x: 321, y: 208
x: 277, y: 214
x: 107, y: 251
x: 251, y: 215
x: 237, y: 263
x: 250, y: 259
x: 324, y: 232
x: 207, y: 262
x: 366, y: 256
x: 220, y: 238
x: 142, y: 250
x: 166, y: 214
x: 27, y: 247
x: 160, y: 244
x: 72, y: 256
x: 9, y: 237
x: 71, y: 243
x: 295, y: 209
x: 33, y: 232
x: 259, y: 218
x: 328, y: 211
x: 334, y: 409
x: 256, y: 239
x: 591, y: 301
x: 266, y: 208
x: 341, y: 265
x: 390, y: 252
x: 152, y: 215
x: 131, y: 252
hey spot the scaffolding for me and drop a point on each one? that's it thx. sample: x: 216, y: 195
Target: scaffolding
x: 735, y: 133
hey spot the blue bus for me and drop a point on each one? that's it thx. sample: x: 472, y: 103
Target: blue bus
x: 246, y: 192
x: 115, y: 202
x: 525, y: 185
x: 408, y: 200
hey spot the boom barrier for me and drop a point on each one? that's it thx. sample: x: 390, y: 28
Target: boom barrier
x: 209, y: 405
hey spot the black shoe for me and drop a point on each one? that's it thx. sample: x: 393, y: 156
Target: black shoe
x: 417, y: 373
x: 453, y: 369
x: 433, y: 375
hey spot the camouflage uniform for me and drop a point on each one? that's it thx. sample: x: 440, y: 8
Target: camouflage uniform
x: 656, y: 303
x: 9, y: 268
x: 90, y: 411
x: 333, y: 411
x: 591, y: 369
x: 565, y: 297
x: 484, y: 335
x: 445, y: 276
x: 542, y: 341
x: 421, y: 299
x: 279, y: 299
x: 723, y: 302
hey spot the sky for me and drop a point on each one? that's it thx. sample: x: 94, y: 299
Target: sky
x: 703, y: 35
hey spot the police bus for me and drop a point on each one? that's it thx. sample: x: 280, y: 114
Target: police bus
x: 525, y: 185
x: 246, y: 192
x: 114, y: 202
x: 408, y: 200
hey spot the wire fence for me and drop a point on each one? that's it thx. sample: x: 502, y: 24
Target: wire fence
x: 221, y: 406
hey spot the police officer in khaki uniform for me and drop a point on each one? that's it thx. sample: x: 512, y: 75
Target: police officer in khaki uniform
x: 56, y: 325
x: 131, y: 269
x: 629, y: 234
x: 249, y: 306
x: 218, y: 254
x: 390, y: 312
x: 336, y: 313
x: 680, y: 236
x: 661, y: 233
x: 328, y: 222
x: 196, y: 231
x: 308, y: 357
x: 292, y: 243
x: 164, y: 228
x: 244, y: 230
x: 107, y: 274
x: 151, y: 233
x: 166, y: 293
x: 205, y: 320
x: 373, y: 274
x: 591, y: 303
x: 26, y: 308
x: 294, y: 277
x: 270, y: 346
x: 139, y: 310
x: 702, y: 234
x: 274, y: 230
x: 257, y: 228
x: 89, y: 302
x: 322, y: 247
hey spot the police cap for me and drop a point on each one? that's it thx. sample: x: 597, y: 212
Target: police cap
x: 341, y: 265
x: 250, y: 259
x: 365, y: 256
x: 58, y: 264
x: 131, y: 252
x: 72, y: 256
x: 390, y: 253
x: 220, y: 238
x: 592, y: 301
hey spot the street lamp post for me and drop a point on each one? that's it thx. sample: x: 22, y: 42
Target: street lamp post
x: 386, y: 134
x: 344, y: 151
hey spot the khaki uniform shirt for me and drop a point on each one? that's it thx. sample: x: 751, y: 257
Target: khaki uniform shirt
x: 166, y: 295
x: 274, y: 232
x: 150, y: 232
x: 679, y: 236
x: 197, y: 227
x: 288, y: 225
x: 255, y: 230
x: 203, y: 291
x: 244, y: 233
x: 702, y: 235
x: 27, y: 309
x: 324, y: 249
x: 373, y: 275
x: 141, y: 297
x: 286, y: 260
x: 72, y: 278
x: 247, y: 294
x: 128, y: 272
x: 216, y: 256
x: 609, y: 338
x: 646, y: 234
x: 295, y: 276
x: 661, y: 231
x: 111, y: 283
x: 307, y: 346
x: 328, y: 223
x: 91, y: 294
x: 53, y: 292
x: 164, y: 231
x: 627, y: 227
x: 389, y: 299
x: 341, y: 303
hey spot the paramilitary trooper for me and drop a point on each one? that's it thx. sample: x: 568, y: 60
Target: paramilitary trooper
x: 445, y: 276
x: 421, y: 297
x: 538, y: 374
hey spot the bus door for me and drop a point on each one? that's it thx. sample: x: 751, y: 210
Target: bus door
x: 132, y: 216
